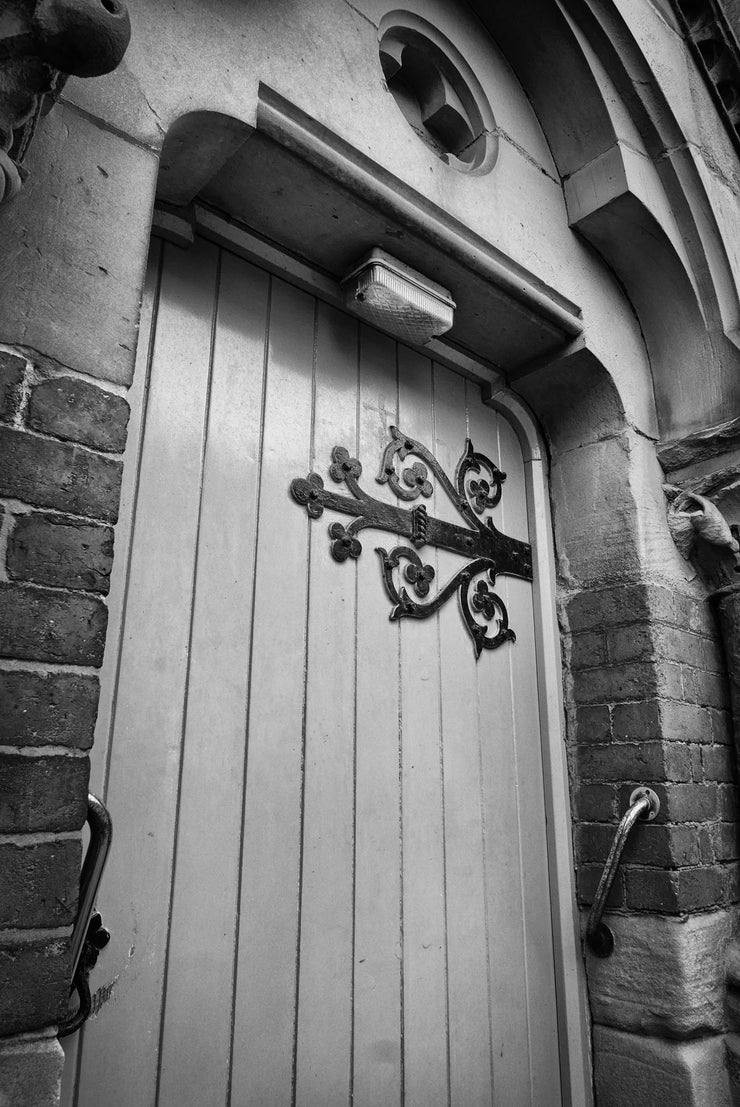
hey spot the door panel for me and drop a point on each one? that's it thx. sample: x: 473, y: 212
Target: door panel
x: 329, y: 882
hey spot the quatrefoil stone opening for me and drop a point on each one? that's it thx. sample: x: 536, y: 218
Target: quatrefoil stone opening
x: 439, y: 95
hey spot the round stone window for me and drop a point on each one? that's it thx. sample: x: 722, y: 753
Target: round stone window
x: 438, y: 93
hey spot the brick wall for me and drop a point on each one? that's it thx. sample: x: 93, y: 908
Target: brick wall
x: 649, y: 705
x: 61, y: 439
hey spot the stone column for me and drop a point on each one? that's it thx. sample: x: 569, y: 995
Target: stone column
x: 704, y: 516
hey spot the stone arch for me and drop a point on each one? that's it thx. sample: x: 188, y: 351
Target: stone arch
x: 637, y: 190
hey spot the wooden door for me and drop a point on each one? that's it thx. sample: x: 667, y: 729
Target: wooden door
x: 329, y: 880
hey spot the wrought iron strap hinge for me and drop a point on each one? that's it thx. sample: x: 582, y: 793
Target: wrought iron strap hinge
x: 476, y: 491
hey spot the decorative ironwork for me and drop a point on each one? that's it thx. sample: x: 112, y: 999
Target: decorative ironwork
x: 475, y: 492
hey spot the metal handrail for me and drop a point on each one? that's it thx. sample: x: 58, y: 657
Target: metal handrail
x: 101, y: 834
x: 89, y: 935
x: 643, y: 804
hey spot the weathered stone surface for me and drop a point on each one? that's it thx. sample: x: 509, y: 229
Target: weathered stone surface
x: 39, y: 883
x: 12, y: 369
x: 63, y: 552
x: 38, y: 624
x: 68, y: 407
x: 666, y: 977
x: 86, y: 39
x: 42, y: 793
x: 104, y: 185
x: 627, y: 681
x: 705, y: 443
x: 732, y: 1046
x: 634, y: 1071
x: 48, y: 709
x: 31, y: 1068
x: 34, y: 986
x: 59, y: 475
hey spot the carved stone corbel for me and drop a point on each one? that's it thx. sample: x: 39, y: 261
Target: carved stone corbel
x: 705, y: 537
x: 42, y: 42
x: 693, y: 521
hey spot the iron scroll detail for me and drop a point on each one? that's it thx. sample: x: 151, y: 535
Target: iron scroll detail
x: 476, y: 490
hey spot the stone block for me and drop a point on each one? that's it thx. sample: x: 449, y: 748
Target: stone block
x: 34, y: 985
x: 631, y: 1070
x: 685, y: 722
x: 665, y: 976
x: 731, y: 873
x: 70, y: 408
x: 60, y: 475
x: 596, y: 521
x: 42, y: 793
x: 39, y: 884
x: 12, y: 371
x: 61, y: 551
x: 39, y: 624
x: 708, y: 689
x: 694, y: 614
x: 728, y: 802
x: 633, y: 643
x: 78, y: 234
x: 617, y: 606
x: 726, y: 842
x: 587, y: 650
x: 721, y: 726
x: 31, y: 1068
x: 48, y: 709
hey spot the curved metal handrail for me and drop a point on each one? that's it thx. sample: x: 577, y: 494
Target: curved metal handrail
x: 89, y: 935
x: 101, y: 834
x: 643, y: 804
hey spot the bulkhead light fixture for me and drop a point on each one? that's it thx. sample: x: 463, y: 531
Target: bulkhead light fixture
x: 397, y: 299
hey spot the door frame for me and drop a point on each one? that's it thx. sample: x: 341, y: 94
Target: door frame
x: 572, y: 1004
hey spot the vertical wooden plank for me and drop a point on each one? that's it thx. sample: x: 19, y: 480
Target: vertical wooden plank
x: 324, y: 1024
x: 74, y: 1044
x: 425, y: 987
x: 377, y: 995
x: 538, y: 940
x: 264, y: 1004
x: 120, y: 1059
x: 194, y: 1057
x: 470, y: 1048
x: 504, y: 871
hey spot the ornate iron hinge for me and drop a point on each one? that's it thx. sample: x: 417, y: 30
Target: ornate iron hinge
x: 489, y: 552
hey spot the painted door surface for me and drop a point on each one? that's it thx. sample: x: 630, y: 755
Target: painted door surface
x: 329, y: 878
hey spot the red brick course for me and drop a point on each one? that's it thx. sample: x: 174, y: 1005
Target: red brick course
x: 651, y: 707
